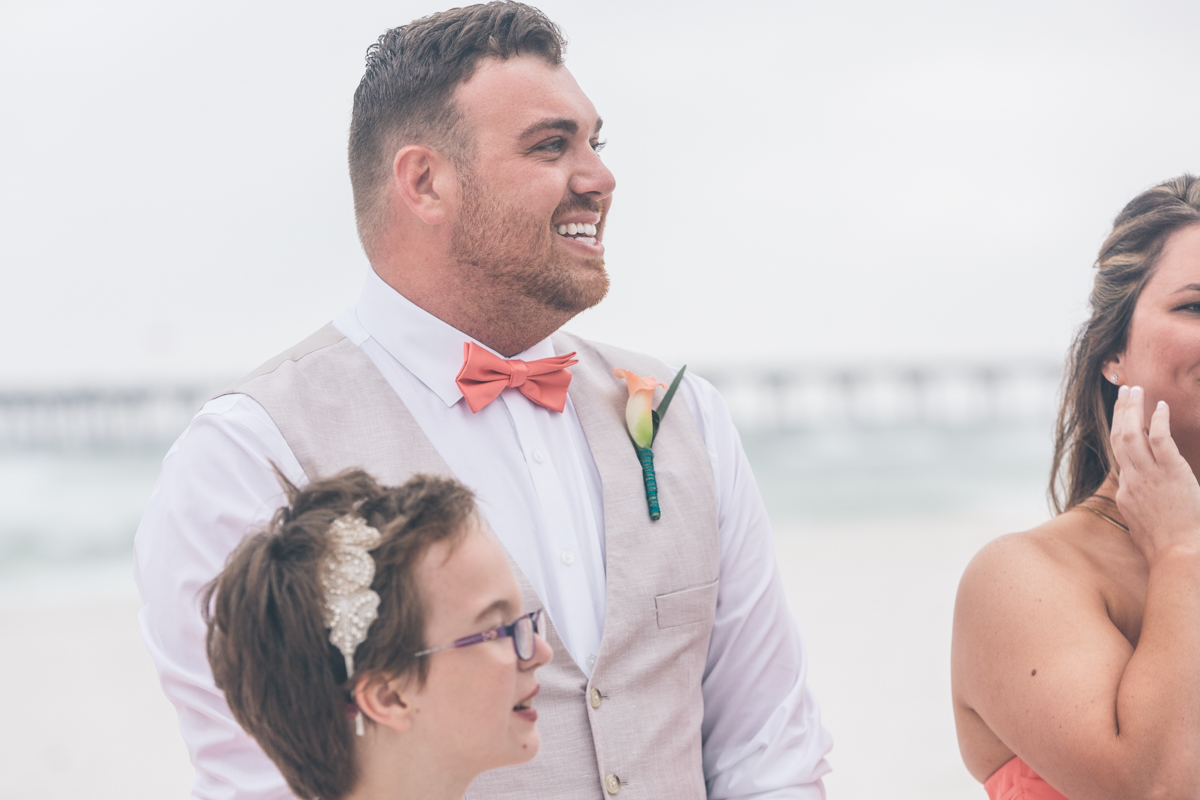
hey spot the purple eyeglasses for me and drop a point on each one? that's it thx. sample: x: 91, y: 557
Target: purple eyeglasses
x: 523, y: 633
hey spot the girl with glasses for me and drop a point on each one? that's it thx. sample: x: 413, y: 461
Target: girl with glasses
x: 372, y: 641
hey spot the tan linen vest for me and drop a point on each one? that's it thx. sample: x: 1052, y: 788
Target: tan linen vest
x: 634, y: 728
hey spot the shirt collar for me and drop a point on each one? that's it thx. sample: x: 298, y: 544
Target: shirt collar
x: 432, y: 350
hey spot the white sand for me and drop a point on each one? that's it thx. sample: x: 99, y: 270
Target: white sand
x: 875, y: 602
x: 83, y: 716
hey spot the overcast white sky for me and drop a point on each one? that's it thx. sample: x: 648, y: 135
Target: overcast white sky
x: 796, y: 181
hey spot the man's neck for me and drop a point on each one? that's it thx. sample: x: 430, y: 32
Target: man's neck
x: 507, y: 324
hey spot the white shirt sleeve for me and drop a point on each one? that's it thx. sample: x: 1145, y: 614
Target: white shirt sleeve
x: 762, y: 729
x: 216, y: 485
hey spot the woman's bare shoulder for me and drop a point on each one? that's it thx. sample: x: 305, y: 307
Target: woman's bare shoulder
x: 1084, y: 567
x: 1024, y: 596
x: 1035, y: 650
x: 1056, y: 547
x: 1019, y: 589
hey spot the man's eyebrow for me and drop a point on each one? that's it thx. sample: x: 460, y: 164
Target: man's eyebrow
x: 502, y: 606
x: 551, y: 124
x: 563, y: 124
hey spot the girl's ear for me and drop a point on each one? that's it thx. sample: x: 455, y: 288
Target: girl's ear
x: 387, y: 702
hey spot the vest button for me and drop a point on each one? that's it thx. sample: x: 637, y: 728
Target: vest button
x: 594, y: 698
x: 612, y: 784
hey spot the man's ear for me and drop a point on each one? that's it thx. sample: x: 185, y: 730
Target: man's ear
x: 425, y: 181
x: 386, y: 702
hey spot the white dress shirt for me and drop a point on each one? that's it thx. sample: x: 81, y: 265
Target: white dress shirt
x: 539, y: 489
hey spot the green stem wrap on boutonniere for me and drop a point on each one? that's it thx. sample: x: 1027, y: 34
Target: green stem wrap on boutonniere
x: 643, y: 422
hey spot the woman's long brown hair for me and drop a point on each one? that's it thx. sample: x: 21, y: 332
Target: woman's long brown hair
x: 1082, y: 454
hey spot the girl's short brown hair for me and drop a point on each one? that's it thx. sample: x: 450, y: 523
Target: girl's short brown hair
x: 267, y: 643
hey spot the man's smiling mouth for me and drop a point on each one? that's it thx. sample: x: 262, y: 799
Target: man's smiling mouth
x: 580, y: 232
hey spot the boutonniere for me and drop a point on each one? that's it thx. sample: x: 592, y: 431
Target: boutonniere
x: 643, y: 422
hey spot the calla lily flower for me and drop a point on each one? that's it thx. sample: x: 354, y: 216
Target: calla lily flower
x: 643, y: 422
x: 638, y: 416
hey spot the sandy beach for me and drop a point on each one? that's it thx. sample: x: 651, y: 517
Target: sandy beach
x: 84, y: 716
x: 875, y: 602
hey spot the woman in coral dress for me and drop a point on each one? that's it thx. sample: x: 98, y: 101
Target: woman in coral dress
x: 1076, y: 655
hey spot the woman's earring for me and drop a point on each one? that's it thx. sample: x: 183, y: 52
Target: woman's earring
x: 1113, y: 377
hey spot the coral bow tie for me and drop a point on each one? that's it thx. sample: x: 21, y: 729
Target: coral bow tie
x: 484, y: 376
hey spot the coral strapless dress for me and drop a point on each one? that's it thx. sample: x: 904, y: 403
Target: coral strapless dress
x: 1016, y: 781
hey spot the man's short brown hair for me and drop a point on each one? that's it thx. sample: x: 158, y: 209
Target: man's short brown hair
x: 406, y: 93
x: 267, y: 642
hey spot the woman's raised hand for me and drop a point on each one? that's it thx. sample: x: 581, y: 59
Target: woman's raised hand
x: 1158, y: 496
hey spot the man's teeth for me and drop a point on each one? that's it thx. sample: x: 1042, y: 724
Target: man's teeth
x: 571, y: 228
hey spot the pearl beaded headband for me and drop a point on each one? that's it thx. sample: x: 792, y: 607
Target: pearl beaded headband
x: 351, y: 605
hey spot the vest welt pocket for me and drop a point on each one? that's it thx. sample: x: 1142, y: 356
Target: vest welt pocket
x: 697, y: 604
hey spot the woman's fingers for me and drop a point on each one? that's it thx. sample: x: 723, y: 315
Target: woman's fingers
x: 1117, y: 432
x: 1161, y: 444
x: 1133, y: 435
x: 1161, y: 504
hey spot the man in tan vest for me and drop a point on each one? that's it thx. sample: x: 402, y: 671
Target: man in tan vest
x: 481, y: 202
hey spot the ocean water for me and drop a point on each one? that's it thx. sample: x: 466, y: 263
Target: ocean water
x: 838, y: 475
x: 73, y: 506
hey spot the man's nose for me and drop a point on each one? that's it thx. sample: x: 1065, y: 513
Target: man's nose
x: 593, y: 178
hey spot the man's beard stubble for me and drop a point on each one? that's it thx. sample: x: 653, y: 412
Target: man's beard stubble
x: 513, y: 254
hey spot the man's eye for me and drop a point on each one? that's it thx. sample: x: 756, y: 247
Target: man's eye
x: 598, y: 146
x: 554, y: 145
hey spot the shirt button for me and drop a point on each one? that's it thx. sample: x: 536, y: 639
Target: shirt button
x: 538, y: 457
x: 567, y: 557
x: 594, y: 697
x: 591, y: 661
x: 612, y: 784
